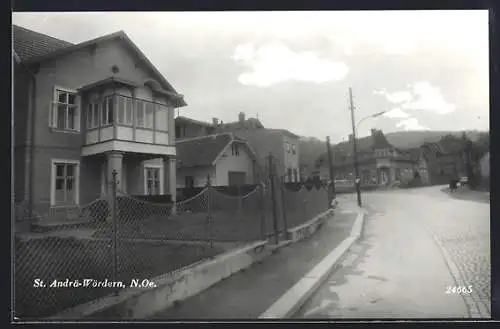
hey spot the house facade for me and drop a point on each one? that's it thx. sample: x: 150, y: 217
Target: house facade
x: 379, y: 162
x: 83, y: 111
x: 281, y: 143
x: 223, y: 158
x: 445, y: 159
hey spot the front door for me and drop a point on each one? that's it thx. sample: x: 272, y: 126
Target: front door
x: 153, y: 181
x: 236, y: 178
x: 384, y: 176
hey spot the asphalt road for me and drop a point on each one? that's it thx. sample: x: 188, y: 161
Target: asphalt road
x: 419, y: 246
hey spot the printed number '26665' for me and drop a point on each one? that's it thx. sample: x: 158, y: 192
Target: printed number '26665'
x: 458, y: 290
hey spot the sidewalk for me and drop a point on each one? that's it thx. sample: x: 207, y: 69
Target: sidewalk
x: 246, y: 295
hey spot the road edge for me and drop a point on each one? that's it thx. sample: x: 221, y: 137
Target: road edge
x: 295, y: 297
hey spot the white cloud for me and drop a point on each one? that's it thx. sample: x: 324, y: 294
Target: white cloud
x: 275, y: 63
x: 411, y: 124
x: 422, y: 96
x: 396, y: 113
x: 429, y: 98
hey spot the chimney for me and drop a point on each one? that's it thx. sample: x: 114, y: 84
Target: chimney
x: 241, y: 117
x: 374, y: 132
x: 351, y: 137
x: 215, y: 121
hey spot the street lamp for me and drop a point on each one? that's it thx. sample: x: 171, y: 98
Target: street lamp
x: 355, y: 151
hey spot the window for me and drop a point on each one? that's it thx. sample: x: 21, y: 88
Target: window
x: 287, y: 147
x: 153, y: 181
x: 107, y: 111
x: 139, y: 112
x: 398, y: 173
x: 149, y: 112
x: 235, y: 149
x: 64, y: 182
x: 161, y: 117
x: 289, y: 174
x: 295, y: 175
x: 65, y: 112
x: 294, y: 149
x: 189, y: 181
x: 125, y: 110
x: 93, y: 115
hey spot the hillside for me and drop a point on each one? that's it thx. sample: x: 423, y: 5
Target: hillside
x: 411, y: 139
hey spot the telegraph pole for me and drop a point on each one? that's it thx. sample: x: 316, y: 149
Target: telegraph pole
x: 355, y: 149
x: 332, y: 174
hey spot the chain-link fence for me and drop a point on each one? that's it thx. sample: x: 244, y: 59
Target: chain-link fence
x: 121, y: 238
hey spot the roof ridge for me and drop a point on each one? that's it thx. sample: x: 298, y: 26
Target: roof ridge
x: 203, y: 137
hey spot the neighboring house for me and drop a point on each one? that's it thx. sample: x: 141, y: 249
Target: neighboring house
x: 225, y: 159
x: 83, y: 111
x: 281, y: 143
x: 379, y: 162
x: 189, y: 128
x: 445, y: 159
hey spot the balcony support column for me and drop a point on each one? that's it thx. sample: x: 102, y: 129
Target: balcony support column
x: 170, y: 179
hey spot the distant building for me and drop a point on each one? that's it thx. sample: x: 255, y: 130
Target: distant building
x: 224, y: 158
x: 445, y: 159
x: 189, y: 128
x: 379, y: 162
x: 281, y: 143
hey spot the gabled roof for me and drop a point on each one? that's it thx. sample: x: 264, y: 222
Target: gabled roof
x: 33, y: 47
x: 205, y: 150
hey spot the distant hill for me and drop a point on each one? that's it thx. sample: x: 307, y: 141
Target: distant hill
x: 310, y: 148
x: 411, y: 139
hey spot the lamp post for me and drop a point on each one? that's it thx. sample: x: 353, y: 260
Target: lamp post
x: 355, y: 146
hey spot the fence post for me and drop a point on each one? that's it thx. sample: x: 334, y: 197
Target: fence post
x: 284, y: 208
x: 114, y: 183
x: 262, y: 211
x: 209, y: 212
x: 273, y: 197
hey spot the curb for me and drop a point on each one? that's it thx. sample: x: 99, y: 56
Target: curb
x: 294, y: 298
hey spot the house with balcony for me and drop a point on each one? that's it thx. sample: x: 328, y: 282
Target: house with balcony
x: 83, y: 111
x: 223, y: 158
x: 281, y: 143
x: 379, y: 162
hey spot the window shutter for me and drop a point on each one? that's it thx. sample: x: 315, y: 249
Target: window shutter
x: 53, y: 114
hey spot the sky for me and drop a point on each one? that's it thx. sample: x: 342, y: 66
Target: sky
x: 428, y: 70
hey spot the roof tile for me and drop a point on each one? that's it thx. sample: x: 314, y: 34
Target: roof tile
x: 201, y: 151
x: 29, y: 44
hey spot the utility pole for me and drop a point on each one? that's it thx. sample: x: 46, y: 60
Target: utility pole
x: 355, y: 149
x: 332, y: 174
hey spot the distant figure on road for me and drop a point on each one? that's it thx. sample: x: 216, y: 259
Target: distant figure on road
x: 453, y: 185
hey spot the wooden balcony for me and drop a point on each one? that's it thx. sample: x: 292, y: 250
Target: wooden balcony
x: 122, y: 123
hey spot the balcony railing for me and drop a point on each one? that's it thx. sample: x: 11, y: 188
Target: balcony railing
x: 127, y: 118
